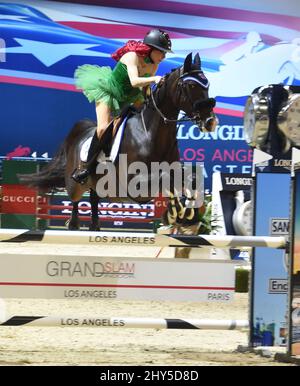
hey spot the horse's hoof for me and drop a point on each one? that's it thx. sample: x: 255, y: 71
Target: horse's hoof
x: 94, y: 228
x: 72, y: 226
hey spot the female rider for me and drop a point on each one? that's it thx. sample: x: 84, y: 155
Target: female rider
x: 111, y: 90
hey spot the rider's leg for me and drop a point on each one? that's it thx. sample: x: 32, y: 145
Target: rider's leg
x: 103, y: 119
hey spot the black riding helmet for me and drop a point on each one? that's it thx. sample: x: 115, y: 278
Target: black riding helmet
x: 158, y: 39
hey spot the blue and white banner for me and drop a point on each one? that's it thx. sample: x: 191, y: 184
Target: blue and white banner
x: 42, y: 42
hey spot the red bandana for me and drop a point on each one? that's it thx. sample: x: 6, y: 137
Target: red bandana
x: 140, y: 48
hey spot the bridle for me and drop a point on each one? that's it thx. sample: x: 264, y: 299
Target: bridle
x: 185, y: 90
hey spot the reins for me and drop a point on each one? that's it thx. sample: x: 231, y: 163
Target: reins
x: 165, y: 119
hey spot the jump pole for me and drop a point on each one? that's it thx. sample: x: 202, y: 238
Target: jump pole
x: 100, y: 322
x: 139, y: 239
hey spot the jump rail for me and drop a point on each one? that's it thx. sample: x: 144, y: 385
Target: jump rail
x: 139, y: 239
x: 100, y: 322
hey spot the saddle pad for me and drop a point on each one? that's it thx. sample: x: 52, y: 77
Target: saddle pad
x: 117, y: 141
x: 85, y: 149
x: 114, y: 150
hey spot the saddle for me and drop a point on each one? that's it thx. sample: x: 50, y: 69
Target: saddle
x: 112, y: 137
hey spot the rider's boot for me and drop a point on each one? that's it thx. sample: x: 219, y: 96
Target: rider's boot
x: 81, y: 175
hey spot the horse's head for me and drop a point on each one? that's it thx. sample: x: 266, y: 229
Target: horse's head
x: 191, y: 94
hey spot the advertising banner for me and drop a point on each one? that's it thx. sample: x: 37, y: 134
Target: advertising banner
x: 18, y: 199
x: 236, y: 46
x: 111, y: 214
x: 93, y: 277
x: 294, y: 312
x: 269, y: 276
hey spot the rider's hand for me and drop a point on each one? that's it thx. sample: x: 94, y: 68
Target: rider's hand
x: 157, y: 79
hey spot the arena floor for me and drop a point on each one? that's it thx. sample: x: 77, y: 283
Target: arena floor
x: 107, y: 347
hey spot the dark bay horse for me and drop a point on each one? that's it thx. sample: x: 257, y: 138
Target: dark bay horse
x: 149, y: 136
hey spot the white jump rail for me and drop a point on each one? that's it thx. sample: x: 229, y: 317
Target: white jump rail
x: 100, y: 322
x: 139, y: 239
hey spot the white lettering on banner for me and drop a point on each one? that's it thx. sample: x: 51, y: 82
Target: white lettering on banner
x: 224, y: 133
x: 278, y: 286
x: 160, y: 204
x: 286, y: 163
x: 238, y: 181
x: 279, y: 226
x: 244, y: 169
x: 239, y: 168
x: 84, y: 208
x: 19, y: 199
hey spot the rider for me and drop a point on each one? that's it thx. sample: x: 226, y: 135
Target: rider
x: 113, y: 89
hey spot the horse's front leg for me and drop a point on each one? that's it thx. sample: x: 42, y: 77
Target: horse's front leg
x: 95, y: 222
x: 73, y: 223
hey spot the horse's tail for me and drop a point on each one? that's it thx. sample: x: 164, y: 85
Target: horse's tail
x: 51, y: 177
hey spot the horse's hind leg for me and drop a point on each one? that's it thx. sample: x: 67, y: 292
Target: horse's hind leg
x: 73, y: 223
x: 95, y: 223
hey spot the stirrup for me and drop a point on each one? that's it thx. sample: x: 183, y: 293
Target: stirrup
x: 80, y: 176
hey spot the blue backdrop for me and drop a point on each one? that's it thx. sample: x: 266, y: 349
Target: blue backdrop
x: 43, y: 42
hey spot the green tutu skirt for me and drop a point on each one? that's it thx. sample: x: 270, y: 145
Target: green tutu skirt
x: 102, y: 84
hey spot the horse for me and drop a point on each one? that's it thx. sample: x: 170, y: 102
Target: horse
x: 149, y: 136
